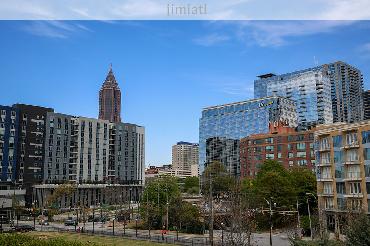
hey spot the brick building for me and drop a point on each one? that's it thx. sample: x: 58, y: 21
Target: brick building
x: 282, y: 143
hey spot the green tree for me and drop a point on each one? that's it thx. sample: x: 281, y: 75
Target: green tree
x: 222, y: 181
x: 191, y: 185
x: 358, y: 230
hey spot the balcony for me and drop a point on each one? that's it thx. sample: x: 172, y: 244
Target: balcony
x: 351, y: 162
x: 351, y: 145
x: 324, y: 178
x: 354, y: 195
x: 352, y: 176
x: 325, y: 148
x: 323, y: 164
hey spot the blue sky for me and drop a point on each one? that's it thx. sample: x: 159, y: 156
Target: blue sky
x: 167, y: 70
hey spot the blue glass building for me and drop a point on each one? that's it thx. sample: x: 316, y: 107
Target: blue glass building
x: 241, y: 119
x: 9, y: 121
x: 309, y: 88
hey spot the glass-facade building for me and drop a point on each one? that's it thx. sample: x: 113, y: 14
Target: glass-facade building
x: 309, y: 88
x: 241, y: 119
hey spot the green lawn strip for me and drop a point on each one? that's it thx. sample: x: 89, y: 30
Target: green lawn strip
x: 89, y: 239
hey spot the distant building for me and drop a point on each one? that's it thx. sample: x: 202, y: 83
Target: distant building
x: 185, y: 157
x: 168, y: 170
x: 86, y: 150
x: 367, y: 105
x: 343, y: 170
x: 240, y: 119
x: 284, y: 144
x: 31, y: 143
x: 110, y: 99
x: 9, y: 127
x: 324, y: 94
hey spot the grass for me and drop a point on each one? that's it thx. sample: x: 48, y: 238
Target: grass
x: 91, y: 240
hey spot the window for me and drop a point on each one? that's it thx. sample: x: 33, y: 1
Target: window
x: 270, y: 148
x: 269, y: 140
x: 351, y: 138
x: 355, y: 188
x: 366, y: 153
x: 279, y: 155
x: 338, y: 155
x: 366, y: 137
x: 341, y: 189
x: 290, y: 146
x: 269, y: 156
x: 301, y: 146
x: 300, y: 137
x: 291, y: 163
x: 328, y: 188
x: 280, y: 147
x: 341, y: 203
x: 291, y: 138
x: 290, y: 155
x: 367, y: 171
x: 339, y: 172
x: 368, y: 187
x: 302, y: 162
x: 337, y: 141
x: 352, y: 155
x: 301, y: 154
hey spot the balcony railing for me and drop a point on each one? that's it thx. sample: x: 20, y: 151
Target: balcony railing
x: 323, y: 148
x: 353, y: 144
x: 353, y: 175
x: 351, y: 162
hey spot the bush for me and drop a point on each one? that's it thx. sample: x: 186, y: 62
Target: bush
x: 17, y: 239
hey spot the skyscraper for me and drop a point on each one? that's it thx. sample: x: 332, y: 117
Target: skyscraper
x: 309, y: 88
x: 346, y: 92
x: 240, y: 119
x: 367, y: 105
x: 324, y: 94
x: 110, y: 99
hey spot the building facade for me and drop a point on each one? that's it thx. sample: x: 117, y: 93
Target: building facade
x: 185, y: 157
x: 30, y: 154
x: 237, y: 120
x: 86, y: 150
x: 110, y: 99
x: 226, y: 151
x: 337, y: 85
x: 343, y: 170
x: 346, y: 92
x: 127, y: 153
x: 366, y: 105
x: 285, y: 144
x: 309, y: 88
x: 9, y: 127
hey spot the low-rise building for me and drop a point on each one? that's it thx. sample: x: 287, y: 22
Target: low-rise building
x: 282, y: 143
x: 343, y: 170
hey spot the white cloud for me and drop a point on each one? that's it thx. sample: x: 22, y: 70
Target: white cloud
x: 53, y: 29
x: 267, y: 33
x: 211, y: 39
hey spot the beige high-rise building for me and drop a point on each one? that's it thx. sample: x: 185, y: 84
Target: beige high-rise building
x: 185, y: 156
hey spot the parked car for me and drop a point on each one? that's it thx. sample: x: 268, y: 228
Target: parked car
x: 23, y: 228
x: 70, y: 222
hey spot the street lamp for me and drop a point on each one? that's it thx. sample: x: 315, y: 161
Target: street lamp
x: 113, y: 225
x: 136, y: 225
x: 222, y: 234
x: 270, y: 205
x: 309, y: 212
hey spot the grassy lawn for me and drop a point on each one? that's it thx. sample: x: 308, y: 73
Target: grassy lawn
x: 97, y: 240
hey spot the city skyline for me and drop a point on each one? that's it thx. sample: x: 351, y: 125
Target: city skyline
x: 168, y: 103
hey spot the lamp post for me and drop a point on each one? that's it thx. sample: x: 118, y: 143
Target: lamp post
x: 34, y: 214
x: 94, y: 219
x: 222, y: 234
x: 113, y: 225
x: 136, y: 225
x: 270, y: 206
x: 129, y: 205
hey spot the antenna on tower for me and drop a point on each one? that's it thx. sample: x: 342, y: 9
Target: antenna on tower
x: 110, y: 66
x: 315, y: 61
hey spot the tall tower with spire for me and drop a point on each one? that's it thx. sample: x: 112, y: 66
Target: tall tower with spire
x: 110, y: 99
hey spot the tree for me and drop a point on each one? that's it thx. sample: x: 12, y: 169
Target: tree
x: 191, y: 185
x: 358, y: 230
x: 222, y: 181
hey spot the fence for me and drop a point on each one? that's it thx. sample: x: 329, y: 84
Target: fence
x: 141, y: 235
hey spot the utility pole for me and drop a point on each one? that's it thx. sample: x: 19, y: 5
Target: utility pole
x: 270, y: 206
x: 309, y: 217
x: 299, y: 221
x: 211, y: 211
x: 167, y: 208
